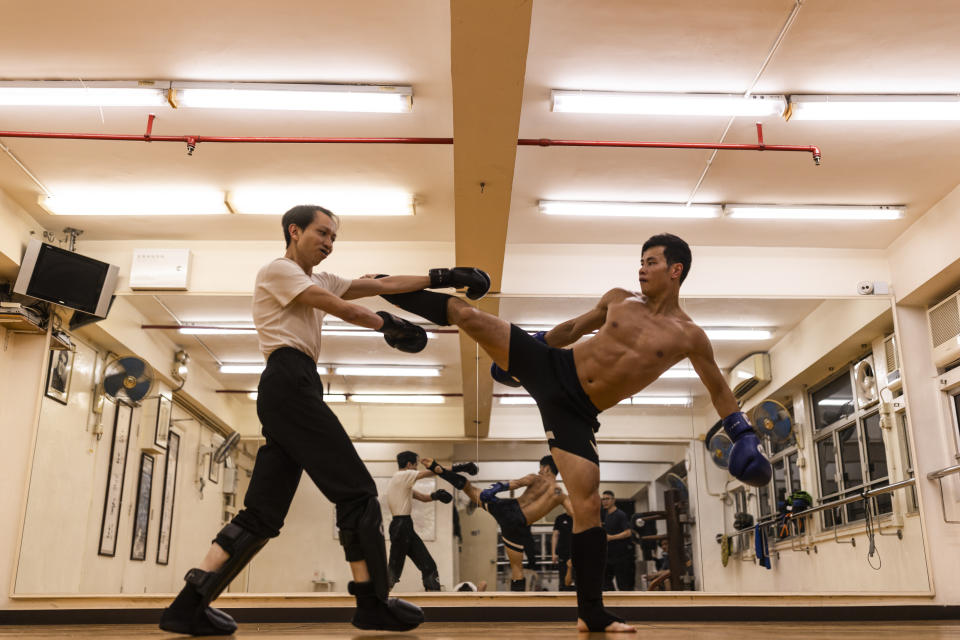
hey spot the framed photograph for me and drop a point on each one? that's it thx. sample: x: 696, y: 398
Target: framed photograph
x: 162, y: 429
x: 59, y: 370
x: 213, y: 475
x: 141, y: 515
x: 118, y: 466
x: 167, y: 498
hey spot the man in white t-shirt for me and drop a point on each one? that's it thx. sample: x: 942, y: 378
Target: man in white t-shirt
x: 404, y: 540
x: 303, y: 434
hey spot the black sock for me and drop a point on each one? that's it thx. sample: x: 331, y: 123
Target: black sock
x: 589, y: 554
x: 426, y: 304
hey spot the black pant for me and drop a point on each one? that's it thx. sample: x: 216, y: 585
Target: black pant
x: 562, y: 569
x: 302, y: 434
x: 404, y: 542
x: 624, y: 570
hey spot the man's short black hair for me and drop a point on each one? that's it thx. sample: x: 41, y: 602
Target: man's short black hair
x: 406, y: 457
x: 675, y: 249
x: 547, y: 461
x: 609, y: 493
x: 302, y: 215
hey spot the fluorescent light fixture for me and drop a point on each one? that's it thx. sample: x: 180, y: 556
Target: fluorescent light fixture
x: 662, y: 401
x: 397, y: 399
x: 680, y: 372
x: 667, y: 104
x: 363, y: 200
x: 875, y: 107
x: 254, y: 369
x: 82, y: 94
x: 412, y: 371
x: 334, y: 397
x: 812, y: 212
x: 834, y: 402
x: 628, y: 209
x: 148, y: 201
x: 737, y: 333
x: 217, y: 331
x: 253, y: 395
x: 294, y: 97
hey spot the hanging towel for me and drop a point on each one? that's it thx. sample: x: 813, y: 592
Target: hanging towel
x: 760, y: 546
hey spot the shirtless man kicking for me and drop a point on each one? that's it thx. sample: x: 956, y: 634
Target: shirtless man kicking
x: 639, y: 336
x: 514, y: 515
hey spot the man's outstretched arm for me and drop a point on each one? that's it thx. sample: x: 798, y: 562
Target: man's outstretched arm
x: 566, y: 333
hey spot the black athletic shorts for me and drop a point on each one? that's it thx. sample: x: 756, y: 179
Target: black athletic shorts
x: 514, y: 530
x: 550, y: 376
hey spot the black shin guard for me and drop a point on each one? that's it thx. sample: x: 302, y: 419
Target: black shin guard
x: 361, y: 534
x: 589, y: 555
x: 426, y: 304
x: 518, y: 585
x: 190, y: 612
x: 455, y: 479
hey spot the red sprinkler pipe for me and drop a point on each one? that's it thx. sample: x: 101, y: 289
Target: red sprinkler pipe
x: 193, y: 141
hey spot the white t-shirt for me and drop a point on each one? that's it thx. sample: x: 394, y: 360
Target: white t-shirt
x: 281, y: 322
x: 400, y: 491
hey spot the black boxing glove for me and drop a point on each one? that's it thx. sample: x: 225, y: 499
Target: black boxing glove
x: 401, y: 334
x: 442, y: 495
x: 475, y: 280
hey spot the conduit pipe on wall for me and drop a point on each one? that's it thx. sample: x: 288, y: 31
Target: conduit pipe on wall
x: 193, y: 141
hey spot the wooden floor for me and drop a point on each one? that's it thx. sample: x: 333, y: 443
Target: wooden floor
x: 529, y: 631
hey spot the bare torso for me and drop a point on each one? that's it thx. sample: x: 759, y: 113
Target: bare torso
x: 540, y: 497
x: 633, y: 348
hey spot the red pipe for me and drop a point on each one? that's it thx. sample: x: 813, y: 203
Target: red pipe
x: 192, y: 141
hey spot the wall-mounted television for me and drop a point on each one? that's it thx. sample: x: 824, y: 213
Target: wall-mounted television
x: 64, y: 277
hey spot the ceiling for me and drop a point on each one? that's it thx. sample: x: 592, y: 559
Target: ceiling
x: 453, y: 54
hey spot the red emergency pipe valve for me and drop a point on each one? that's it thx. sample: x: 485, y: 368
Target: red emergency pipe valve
x: 150, y: 120
x: 760, y: 133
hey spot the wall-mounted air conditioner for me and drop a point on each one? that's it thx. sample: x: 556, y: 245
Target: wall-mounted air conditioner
x: 750, y: 375
x: 944, y: 319
x: 891, y: 362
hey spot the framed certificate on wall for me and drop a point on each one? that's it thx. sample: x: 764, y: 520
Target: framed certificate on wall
x: 115, y: 475
x: 141, y: 515
x: 167, y: 497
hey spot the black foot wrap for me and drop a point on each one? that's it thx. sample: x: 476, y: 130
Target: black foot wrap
x: 598, y: 619
x: 380, y: 614
x: 188, y: 614
x: 469, y: 468
x: 431, y: 582
x: 429, y: 305
x: 518, y: 585
x: 456, y: 480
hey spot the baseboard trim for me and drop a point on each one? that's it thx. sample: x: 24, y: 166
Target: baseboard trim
x: 509, y: 614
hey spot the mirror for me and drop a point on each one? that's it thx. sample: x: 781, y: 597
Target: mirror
x: 124, y: 499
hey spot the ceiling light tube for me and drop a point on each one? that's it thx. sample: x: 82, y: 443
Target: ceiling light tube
x: 152, y: 201
x: 662, y: 401
x: 812, y: 212
x: 411, y: 371
x: 397, y: 399
x: 256, y: 369
x: 57, y: 93
x: 875, y: 107
x: 216, y: 331
x: 680, y: 372
x: 737, y: 333
x: 667, y: 104
x: 517, y: 400
x: 628, y: 209
x: 294, y: 97
x: 360, y: 201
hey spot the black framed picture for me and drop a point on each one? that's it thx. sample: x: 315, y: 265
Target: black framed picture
x: 141, y: 515
x: 168, y: 497
x: 118, y: 466
x: 162, y: 428
x: 59, y: 372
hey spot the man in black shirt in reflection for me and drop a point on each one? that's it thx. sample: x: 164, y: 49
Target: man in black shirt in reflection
x: 620, y: 564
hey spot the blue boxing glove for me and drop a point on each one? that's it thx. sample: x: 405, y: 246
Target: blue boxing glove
x: 747, y: 462
x: 540, y: 336
x: 489, y: 494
